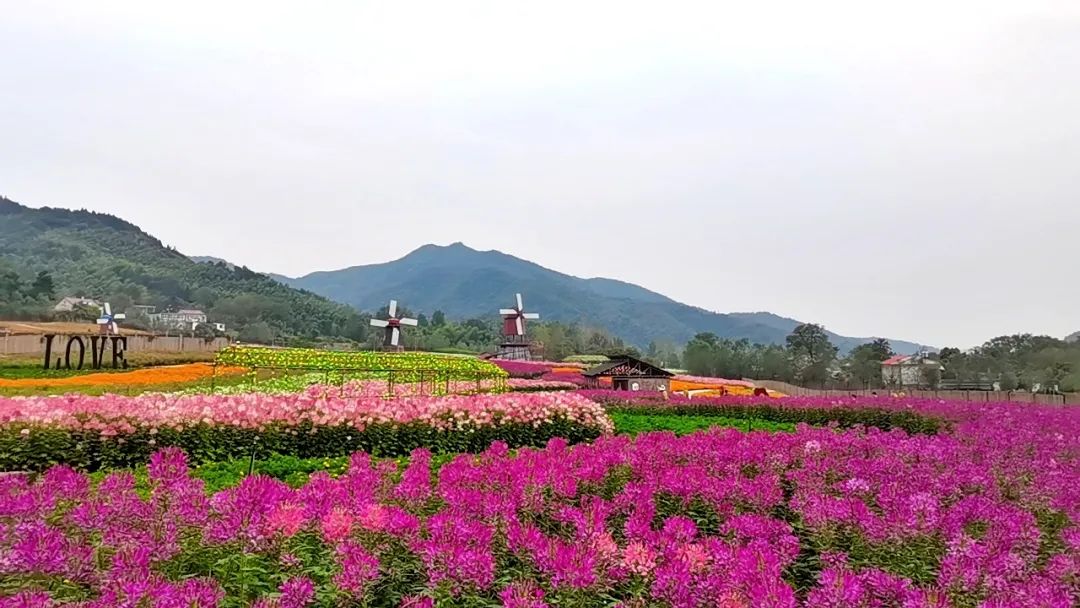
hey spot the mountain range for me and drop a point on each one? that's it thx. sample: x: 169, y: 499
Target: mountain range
x: 101, y: 255
x: 464, y: 282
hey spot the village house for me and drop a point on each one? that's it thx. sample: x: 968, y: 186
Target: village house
x: 627, y: 373
x: 69, y: 304
x: 187, y: 318
x: 916, y: 370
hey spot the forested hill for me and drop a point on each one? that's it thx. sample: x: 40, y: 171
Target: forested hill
x: 102, y: 256
x: 464, y: 283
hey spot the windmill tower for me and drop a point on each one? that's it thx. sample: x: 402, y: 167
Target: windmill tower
x: 107, y: 322
x: 392, y: 327
x: 515, y: 344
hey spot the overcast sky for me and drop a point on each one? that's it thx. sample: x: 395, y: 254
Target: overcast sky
x: 909, y: 169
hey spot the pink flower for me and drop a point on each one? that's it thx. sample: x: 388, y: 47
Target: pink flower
x: 287, y: 519
x: 358, y: 568
x: 639, y: 558
x: 337, y: 525
x: 523, y: 594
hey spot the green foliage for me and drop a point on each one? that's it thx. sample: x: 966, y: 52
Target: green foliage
x: 709, y: 355
x: 811, y: 353
x: 863, y: 363
x: 562, y: 341
x: 632, y: 423
x: 22, y: 294
x: 43, y: 447
x: 841, y: 417
x: 1017, y: 362
x: 93, y: 254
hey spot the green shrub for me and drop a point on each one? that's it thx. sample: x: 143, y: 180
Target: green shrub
x: 842, y: 417
x: 89, y: 451
x: 634, y: 422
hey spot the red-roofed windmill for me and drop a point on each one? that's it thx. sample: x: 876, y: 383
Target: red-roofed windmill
x: 515, y: 344
x: 392, y: 327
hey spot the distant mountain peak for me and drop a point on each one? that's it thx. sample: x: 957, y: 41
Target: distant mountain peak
x: 464, y: 282
x: 209, y: 259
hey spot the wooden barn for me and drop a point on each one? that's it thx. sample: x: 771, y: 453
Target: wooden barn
x: 629, y: 374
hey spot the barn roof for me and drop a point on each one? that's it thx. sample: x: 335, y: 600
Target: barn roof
x: 896, y: 360
x: 627, y: 366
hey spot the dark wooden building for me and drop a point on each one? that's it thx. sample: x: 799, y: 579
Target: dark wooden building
x: 630, y: 374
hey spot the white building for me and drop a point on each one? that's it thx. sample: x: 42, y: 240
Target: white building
x: 188, y: 318
x: 69, y: 304
x: 909, y: 370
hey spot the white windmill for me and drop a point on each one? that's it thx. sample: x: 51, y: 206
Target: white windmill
x: 514, y: 319
x: 392, y: 327
x: 108, y: 320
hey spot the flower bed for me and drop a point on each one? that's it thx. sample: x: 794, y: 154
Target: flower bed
x: 984, y: 516
x: 841, y: 413
x: 710, y: 381
x: 457, y: 367
x: 169, y: 374
x: 334, y: 383
x: 115, y: 431
x: 571, y: 377
x: 524, y: 385
x: 522, y: 369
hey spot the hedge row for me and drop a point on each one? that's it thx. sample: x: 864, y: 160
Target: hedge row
x: 843, y: 417
x: 43, y: 447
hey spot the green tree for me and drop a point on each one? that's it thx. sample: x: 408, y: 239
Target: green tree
x: 204, y: 330
x: 43, y: 286
x: 438, y: 318
x: 258, y: 332
x: 85, y: 312
x: 700, y: 355
x: 811, y: 353
x: 864, y: 361
x: 204, y: 297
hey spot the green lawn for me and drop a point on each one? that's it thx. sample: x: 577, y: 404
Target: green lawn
x: 632, y: 423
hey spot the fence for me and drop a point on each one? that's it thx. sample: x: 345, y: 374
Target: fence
x: 986, y: 396
x: 24, y: 344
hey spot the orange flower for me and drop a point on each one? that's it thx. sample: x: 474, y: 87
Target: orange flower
x: 169, y: 374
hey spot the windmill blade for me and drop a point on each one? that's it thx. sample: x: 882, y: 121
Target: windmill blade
x: 507, y: 312
x: 520, y: 305
x: 531, y: 315
x: 412, y: 322
x: 520, y: 327
x: 393, y: 308
x: 379, y: 323
x: 113, y: 328
x: 394, y: 336
x: 103, y: 321
x: 119, y: 316
x: 108, y: 310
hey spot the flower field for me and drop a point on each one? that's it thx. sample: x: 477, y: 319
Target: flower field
x: 806, y: 502
x: 334, y: 383
x: 982, y: 514
x: 151, y: 376
x: 116, y: 431
x: 542, y: 384
x: 455, y: 366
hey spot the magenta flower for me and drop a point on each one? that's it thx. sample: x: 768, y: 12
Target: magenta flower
x: 358, y: 568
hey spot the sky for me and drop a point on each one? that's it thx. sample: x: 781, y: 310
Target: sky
x: 907, y: 169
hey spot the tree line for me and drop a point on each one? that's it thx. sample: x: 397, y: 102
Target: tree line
x: 808, y: 358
